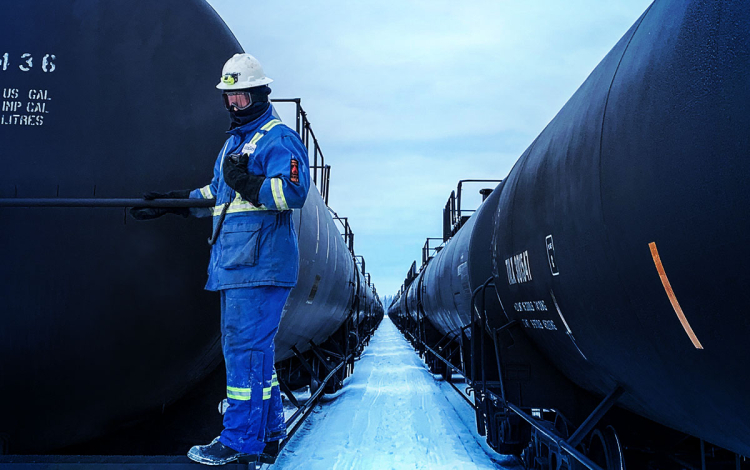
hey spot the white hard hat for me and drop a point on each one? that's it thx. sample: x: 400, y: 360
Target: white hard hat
x: 242, y: 71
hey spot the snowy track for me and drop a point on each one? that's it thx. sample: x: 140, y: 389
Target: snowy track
x: 391, y: 414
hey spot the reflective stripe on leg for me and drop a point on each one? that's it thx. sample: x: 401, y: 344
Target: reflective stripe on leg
x: 239, y: 393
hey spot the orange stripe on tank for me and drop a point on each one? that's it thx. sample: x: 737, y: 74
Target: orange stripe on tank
x: 672, y: 298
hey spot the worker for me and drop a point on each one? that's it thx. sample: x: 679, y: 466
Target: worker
x: 260, y: 175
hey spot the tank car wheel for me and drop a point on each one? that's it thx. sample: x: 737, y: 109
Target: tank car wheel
x: 528, y: 456
x: 433, y: 363
x: 535, y: 456
x: 506, y: 441
x: 446, y: 372
x: 314, y: 381
x: 562, y: 426
x: 605, y: 450
x: 335, y: 384
x: 353, y: 340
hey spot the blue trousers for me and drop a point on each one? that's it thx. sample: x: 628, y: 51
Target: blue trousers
x: 250, y: 318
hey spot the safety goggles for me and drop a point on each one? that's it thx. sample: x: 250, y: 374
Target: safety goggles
x: 237, y: 99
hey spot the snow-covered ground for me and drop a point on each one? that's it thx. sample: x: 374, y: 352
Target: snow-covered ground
x: 391, y: 414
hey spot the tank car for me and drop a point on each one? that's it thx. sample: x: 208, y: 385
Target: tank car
x: 104, y: 320
x: 607, y: 269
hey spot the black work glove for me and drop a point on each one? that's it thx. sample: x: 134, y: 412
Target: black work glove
x: 240, y: 179
x: 147, y: 213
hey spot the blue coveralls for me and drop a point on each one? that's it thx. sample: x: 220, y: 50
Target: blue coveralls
x: 254, y: 265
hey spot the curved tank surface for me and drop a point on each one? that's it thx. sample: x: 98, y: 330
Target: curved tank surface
x: 620, y: 234
x: 325, y: 264
x: 617, y: 242
x: 444, y: 285
x: 105, y: 319
x: 94, y: 306
x: 446, y: 293
x: 330, y: 287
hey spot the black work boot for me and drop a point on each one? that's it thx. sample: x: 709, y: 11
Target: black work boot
x: 217, y: 453
x: 270, y: 452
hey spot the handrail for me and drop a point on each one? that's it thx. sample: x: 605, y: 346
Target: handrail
x: 104, y: 202
x: 320, y: 172
x: 453, y: 213
x: 427, y: 249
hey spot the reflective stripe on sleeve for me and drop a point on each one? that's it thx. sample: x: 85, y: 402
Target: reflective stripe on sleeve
x: 270, y: 124
x: 277, y: 188
x: 206, y: 192
x: 238, y: 393
x: 238, y: 205
x: 274, y: 381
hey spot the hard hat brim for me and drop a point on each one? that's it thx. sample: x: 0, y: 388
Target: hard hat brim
x: 243, y: 85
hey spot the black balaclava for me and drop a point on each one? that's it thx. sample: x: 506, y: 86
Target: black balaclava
x: 260, y: 105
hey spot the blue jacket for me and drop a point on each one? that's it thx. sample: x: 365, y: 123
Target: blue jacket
x: 257, y: 246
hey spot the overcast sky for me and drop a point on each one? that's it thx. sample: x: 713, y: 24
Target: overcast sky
x: 407, y: 97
